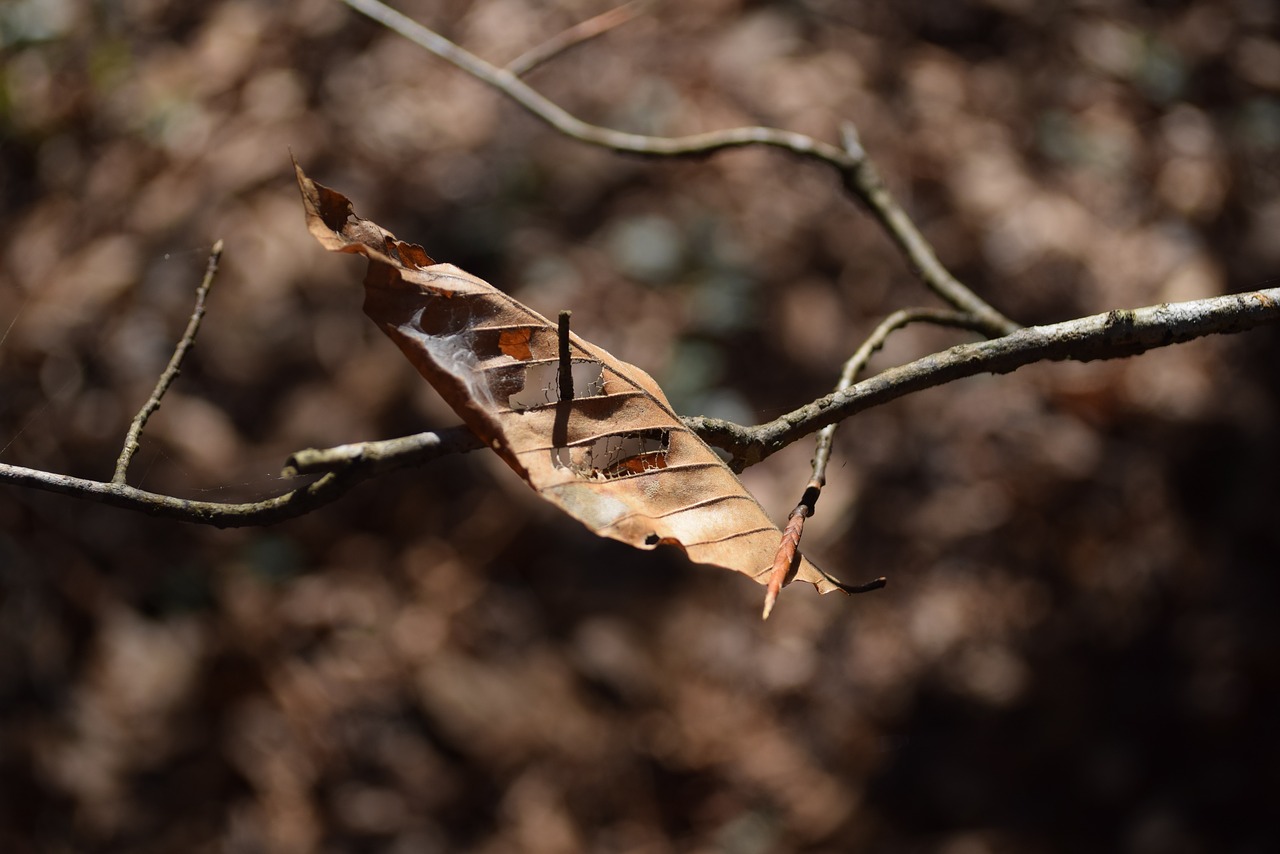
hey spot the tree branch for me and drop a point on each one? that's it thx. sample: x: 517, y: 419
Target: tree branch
x: 857, y: 173
x: 508, y: 83
x: 341, y: 467
x: 293, y: 503
x: 1116, y: 334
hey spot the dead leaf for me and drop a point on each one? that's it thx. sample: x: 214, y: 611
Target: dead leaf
x: 615, y: 456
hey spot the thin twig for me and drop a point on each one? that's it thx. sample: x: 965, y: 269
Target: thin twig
x: 789, y: 545
x: 296, y: 502
x: 576, y: 35
x: 856, y: 170
x: 171, y: 372
x: 857, y: 363
x: 865, y: 183
x: 384, y: 455
x: 345, y: 466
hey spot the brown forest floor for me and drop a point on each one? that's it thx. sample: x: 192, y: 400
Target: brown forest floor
x: 1078, y: 648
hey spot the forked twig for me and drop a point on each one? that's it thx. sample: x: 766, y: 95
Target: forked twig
x: 807, y: 506
x: 131, y: 442
x: 857, y: 363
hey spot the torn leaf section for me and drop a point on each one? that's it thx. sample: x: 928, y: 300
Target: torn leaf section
x: 617, y: 455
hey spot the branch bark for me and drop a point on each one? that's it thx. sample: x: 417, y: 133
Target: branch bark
x: 343, y: 467
x: 1113, y: 335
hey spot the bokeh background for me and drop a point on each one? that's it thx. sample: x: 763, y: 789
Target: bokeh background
x: 1078, y: 648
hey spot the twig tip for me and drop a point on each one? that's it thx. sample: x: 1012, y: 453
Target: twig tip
x: 850, y: 141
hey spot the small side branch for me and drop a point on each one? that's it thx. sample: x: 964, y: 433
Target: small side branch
x: 171, y: 372
x: 576, y: 35
x: 858, y: 363
x: 789, y: 546
x: 374, y: 458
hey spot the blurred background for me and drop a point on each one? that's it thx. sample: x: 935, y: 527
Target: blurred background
x: 1077, y: 649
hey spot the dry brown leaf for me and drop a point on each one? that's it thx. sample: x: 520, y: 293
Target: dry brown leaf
x: 615, y: 456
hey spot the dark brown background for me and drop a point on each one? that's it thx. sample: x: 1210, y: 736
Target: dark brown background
x: 1078, y: 646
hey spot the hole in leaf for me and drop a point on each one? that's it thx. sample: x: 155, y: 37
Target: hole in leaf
x: 542, y: 384
x: 617, y: 455
x: 651, y: 539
